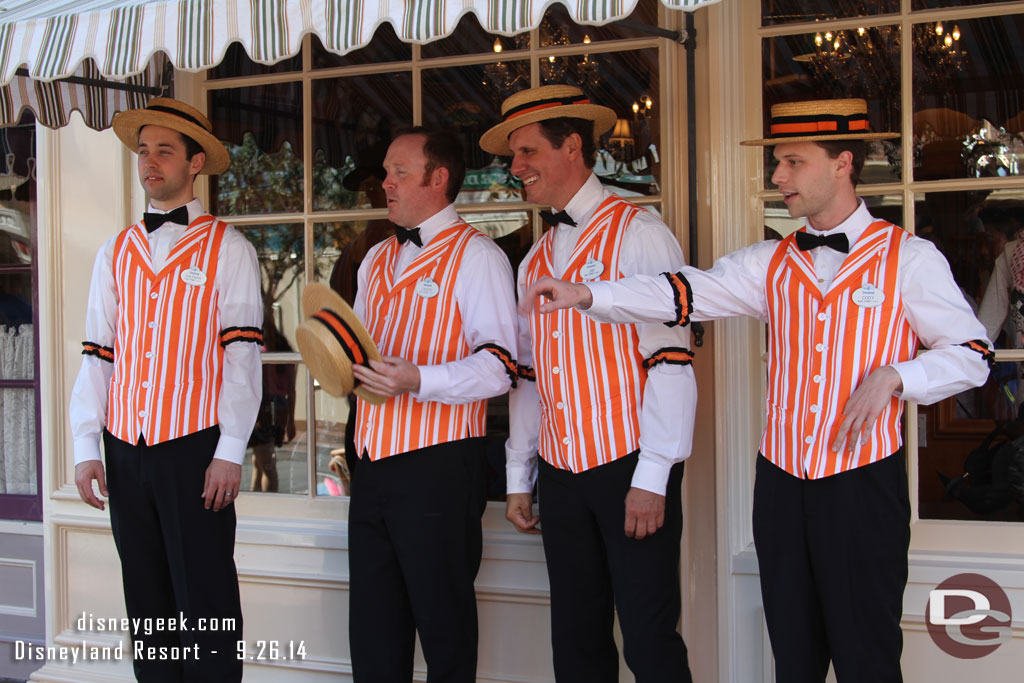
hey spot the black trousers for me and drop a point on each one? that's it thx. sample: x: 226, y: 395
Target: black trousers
x: 177, y: 559
x: 833, y: 562
x: 415, y: 542
x: 595, y: 570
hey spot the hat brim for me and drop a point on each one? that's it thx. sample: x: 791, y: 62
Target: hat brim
x: 323, y: 356
x: 767, y: 142
x: 127, y: 125
x: 495, y: 140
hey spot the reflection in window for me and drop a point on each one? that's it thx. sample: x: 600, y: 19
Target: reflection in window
x: 971, y: 453
x: 276, y: 457
x: 262, y: 126
x: 861, y: 63
x: 961, y: 128
x: 792, y: 11
x: 354, y: 119
x: 280, y: 250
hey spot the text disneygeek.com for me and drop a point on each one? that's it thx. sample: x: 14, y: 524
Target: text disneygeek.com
x: 257, y: 650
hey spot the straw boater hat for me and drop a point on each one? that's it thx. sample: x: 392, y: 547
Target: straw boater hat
x: 819, y: 121
x: 545, y: 102
x: 163, y: 111
x: 331, y: 340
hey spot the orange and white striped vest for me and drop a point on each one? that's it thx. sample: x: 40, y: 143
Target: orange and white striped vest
x: 167, y: 353
x: 590, y: 375
x: 821, y: 347
x: 425, y: 330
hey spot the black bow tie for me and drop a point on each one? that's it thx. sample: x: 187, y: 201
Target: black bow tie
x: 155, y: 220
x: 837, y: 241
x: 408, y: 235
x: 556, y: 218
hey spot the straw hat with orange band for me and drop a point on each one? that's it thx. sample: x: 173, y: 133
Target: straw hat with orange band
x: 537, y: 104
x: 819, y: 121
x: 331, y: 340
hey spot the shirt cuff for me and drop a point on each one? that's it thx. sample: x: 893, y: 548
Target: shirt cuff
x: 520, y: 476
x: 915, y: 381
x: 231, y: 449
x: 651, y: 475
x: 433, y: 379
x: 87, y: 448
x: 602, y: 298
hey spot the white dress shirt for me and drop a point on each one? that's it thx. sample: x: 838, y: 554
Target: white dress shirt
x: 239, y: 305
x: 483, y: 289
x: 995, y: 305
x: 735, y: 285
x: 670, y: 395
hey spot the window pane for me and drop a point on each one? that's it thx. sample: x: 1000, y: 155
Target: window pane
x: 237, y: 63
x: 17, y: 350
x: 17, y: 228
x: 972, y: 229
x: 469, y: 38
x: 354, y: 119
x: 385, y: 47
x: 629, y: 155
x: 510, y: 230
x: 333, y: 469
x: 968, y: 466
x: 276, y: 460
x: 262, y: 126
x: 998, y: 269
x: 791, y: 11
x: 18, y: 442
x: 557, y: 28
x: 280, y: 250
x: 16, y: 298
x: 340, y: 248
x: 932, y: 4
x: 969, y: 98
x: 468, y: 99
x: 865, y: 65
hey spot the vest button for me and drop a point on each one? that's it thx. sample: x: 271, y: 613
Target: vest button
x: 818, y: 379
x: 819, y: 347
x: 145, y: 385
x: 556, y: 334
x: 809, y: 440
x: 149, y: 354
x: 815, y: 409
x: 822, y: 316
x: 555, y: 370
x: 152, y: 325
x: 566, y: 441
x: 560, y: 405
x: 142, y: 413
x: 153, y: 295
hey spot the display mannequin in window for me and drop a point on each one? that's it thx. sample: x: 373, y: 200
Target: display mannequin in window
x: 171, y: 381
x: 609, y: 409
x: 847, y: 300
x: 437, y: 299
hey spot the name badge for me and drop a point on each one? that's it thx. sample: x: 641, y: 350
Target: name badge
x: 193, y: 276
x: 868, y: 296
x: 591, y: 269
x: 427, y: 288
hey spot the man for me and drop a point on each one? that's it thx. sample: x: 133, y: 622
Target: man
x: 611, y: 409
x: 174, y: 424
x: 831, y: 507
x: 437, y: 300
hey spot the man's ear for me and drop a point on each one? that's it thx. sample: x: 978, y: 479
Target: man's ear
x: 844, y: 167
x: 439, y: 179
x: 195, y: 164
x: 573, y: 145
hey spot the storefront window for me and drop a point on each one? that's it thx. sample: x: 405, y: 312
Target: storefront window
x: 799, y: 11
x: 19, y: 381
x: 305, y: 186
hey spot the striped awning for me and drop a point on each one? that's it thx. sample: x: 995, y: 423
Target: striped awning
x: 126, y: 40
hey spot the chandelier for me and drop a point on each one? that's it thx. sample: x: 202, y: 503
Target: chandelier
x: 864, y: 62
x: 506, y: 78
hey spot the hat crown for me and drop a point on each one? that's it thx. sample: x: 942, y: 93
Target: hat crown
x: 540, y: 94
x: 846, y: 107
x: 174, y: 107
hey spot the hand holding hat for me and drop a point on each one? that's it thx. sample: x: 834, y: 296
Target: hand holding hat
x: 332, y: 340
